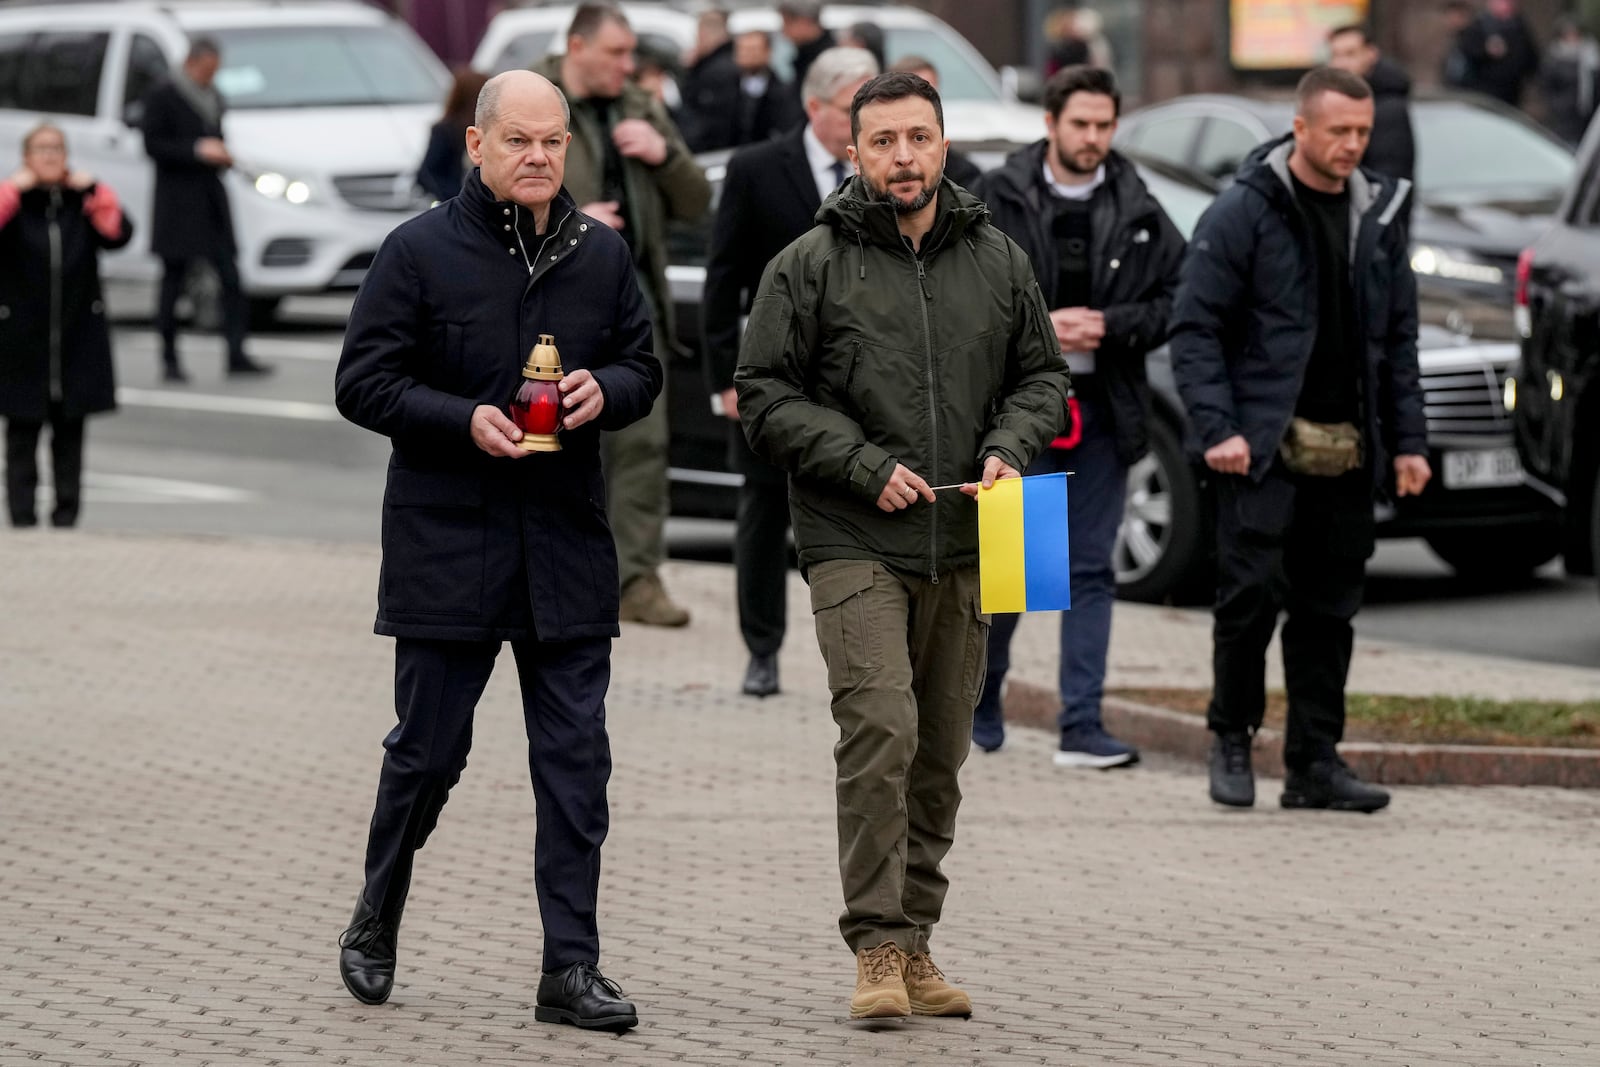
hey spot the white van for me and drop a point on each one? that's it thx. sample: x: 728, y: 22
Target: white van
x: 329, y: 106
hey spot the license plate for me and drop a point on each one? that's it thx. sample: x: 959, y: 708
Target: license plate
x: 1483, y: 469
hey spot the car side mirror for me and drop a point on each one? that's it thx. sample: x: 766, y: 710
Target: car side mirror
x: 1022, y: 83
x: 133, y: 114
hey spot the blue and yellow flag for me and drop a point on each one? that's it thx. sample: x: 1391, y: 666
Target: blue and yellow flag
x: 1023, y: 563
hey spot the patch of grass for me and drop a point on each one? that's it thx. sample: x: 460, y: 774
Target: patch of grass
x: 1425, y: 719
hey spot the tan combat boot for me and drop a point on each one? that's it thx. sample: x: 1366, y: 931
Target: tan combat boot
x: 929, y: 993
x: 880, y: 983
x: 645, y: 600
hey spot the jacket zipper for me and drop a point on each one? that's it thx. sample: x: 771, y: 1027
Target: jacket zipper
x: 554, y: 232
x: 53, y: 215
x: 933, y: 416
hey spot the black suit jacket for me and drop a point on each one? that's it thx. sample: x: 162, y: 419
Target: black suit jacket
x: 769, y: 199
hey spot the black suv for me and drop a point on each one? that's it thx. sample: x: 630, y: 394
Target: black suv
x: 1556, y: 395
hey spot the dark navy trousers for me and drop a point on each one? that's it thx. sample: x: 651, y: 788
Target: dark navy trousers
x: 1094, y: 511
x: 437, y: 687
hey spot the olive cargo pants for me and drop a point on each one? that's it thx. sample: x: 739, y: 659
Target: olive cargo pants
x: 905, y: 660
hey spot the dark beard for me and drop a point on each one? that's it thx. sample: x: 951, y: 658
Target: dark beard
x: 908, y: 207
x: 1071, y: 165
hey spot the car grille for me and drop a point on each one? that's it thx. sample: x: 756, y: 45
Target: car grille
x: 1466, y: 401
x: 380, y: 192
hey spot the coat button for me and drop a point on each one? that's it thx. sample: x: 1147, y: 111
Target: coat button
x: 505, y: 211
x: 513, y: 251
x: 552, y: 259
x: 508, y: 226
x: 573, y: 241
x: 583, y: 227
x: 1115, y: 263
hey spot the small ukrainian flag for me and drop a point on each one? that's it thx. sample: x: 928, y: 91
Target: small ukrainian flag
x: 1023, y: 562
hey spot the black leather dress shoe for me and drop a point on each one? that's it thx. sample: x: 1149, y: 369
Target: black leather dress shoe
x: 761, y: 677
x: 366, y: 955
x: 581, y: 996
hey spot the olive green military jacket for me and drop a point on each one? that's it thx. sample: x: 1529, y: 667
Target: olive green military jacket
x: 860, y: 353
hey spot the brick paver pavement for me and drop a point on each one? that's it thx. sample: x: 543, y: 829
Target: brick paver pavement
x: 190, y: 749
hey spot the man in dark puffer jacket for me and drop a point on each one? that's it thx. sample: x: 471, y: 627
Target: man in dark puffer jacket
x: 1298, y: 307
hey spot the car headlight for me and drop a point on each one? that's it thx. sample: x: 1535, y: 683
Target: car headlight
x: 1455, y: 265
x: 276, y: 186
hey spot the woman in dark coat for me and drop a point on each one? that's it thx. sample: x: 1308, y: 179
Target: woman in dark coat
x: 444, y: 163
x: 55, y: 348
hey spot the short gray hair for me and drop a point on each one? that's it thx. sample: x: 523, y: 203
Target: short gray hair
x: 488, y: 109
x: 835, y: 69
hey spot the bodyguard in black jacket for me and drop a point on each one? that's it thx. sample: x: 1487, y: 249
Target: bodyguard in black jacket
x: 485, y: 543
x: 1106, y: 257
x: 1298, y: 306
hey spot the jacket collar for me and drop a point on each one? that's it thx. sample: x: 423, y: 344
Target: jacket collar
x: 1267, y: 170
x: 852, y: 211
x: 496, y: 214
x: 1021, y: 177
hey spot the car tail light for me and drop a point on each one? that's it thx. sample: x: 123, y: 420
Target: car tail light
x: 1520, y: 311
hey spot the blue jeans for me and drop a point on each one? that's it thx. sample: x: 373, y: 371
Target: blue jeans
x: 1094, y: 511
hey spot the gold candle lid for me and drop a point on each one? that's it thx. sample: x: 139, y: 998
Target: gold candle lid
x: 544, y: 362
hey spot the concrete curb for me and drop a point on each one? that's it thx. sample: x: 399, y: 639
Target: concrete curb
x: 1185, y: 736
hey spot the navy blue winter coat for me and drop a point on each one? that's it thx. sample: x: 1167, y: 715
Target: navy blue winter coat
x: 478, y: 547
x: 1245, y: 318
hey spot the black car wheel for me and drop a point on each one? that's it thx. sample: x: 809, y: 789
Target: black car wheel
x: 1510, y: 552
x: 1162, y: 548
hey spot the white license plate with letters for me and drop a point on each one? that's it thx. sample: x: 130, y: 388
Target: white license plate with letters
x: 1482, y: 469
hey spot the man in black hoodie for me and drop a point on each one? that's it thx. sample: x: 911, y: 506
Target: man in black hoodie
x: 1107, y: 259
x: 1393, y: 148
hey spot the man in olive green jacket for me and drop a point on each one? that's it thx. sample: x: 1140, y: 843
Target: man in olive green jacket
x: 628, y: 167
x: 901, y: 344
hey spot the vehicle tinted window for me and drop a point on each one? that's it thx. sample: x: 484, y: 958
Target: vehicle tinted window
x: 1167, y: 139
x: 1223, y: 146
x: 1184, y: 204
x: 524, y: 51
x: 324, y: 66
x: 13, y: 49
x: 61, y: 73
x: 147, y: 68
x: 1463, y: 148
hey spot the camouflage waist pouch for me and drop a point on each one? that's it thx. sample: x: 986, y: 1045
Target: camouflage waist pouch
x: 1321, y: 449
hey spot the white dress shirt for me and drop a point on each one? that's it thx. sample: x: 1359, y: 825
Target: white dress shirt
x: 821, y: 161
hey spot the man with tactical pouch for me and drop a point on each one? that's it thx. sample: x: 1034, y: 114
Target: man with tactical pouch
x: 1294, y: 346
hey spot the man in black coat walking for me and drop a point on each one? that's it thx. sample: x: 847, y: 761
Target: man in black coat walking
x: 1392, y: 151
x: 1106, y: 257
x: 484, y: 542
x: 182, y: 124
x: 1294, y: 346
x: 770, y: 198
x: 55, y: 345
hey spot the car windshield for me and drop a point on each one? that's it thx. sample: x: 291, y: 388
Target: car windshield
x: 323, y: 66
x: 1184, y: 204
x: 1462, y: 148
